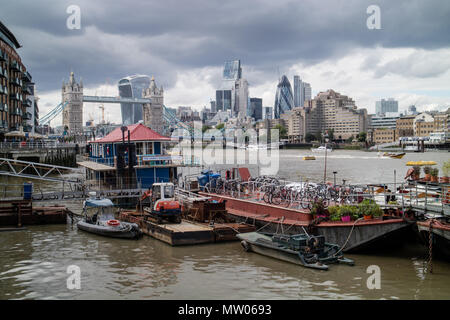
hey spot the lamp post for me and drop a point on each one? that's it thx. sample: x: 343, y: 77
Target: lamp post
x: 325, y: 168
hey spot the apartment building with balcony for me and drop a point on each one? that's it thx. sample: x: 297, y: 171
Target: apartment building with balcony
x: 15, y: 96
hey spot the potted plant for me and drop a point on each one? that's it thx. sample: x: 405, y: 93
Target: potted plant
x: 434, y: 175
x: 446, y: 171
x: 318, y: 209
x: 416, y: 173
x: 427, y: 171
x: 334, y: 213
x: 369, y: 209
x: 346, y: 212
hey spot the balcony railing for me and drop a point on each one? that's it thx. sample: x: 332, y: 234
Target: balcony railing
x: 26, y: 76
x: 16, y: 66
x: 16, y: 81
x: 3, y: 73
x: 16, y: 96
x: 148, y: 160
x: 3, y: 55
x: 27, y: 103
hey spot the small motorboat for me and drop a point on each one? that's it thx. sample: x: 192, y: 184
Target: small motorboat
x: 302, y: 249
x: 321, y: 149
x: 98, y: 218
x: 394, y: 155
x: 309, y: 158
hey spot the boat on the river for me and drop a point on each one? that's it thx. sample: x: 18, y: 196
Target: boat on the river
x: 321, y: 149
x: 394, y: 155
x: 440, y: 230
x: 98, y: 218
x: 309, y: 158
x: 302, y: 249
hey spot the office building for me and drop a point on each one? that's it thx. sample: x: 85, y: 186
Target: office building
x: 302, y: 92
x: 284, y: 100
x: 267, y: 113
x: 384, y: 106
x: 256, y: 108
x: 132, y: 87
x: 223, y: 100
x: 239, y: 98
x: 331, y: 110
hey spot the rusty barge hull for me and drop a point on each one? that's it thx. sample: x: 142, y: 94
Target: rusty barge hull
x: 355, y: 236
x: 21, y: 212
x: 441, y: 236
x: 186, y: 232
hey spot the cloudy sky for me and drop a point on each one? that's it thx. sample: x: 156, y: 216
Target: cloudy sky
x: 184, y: 43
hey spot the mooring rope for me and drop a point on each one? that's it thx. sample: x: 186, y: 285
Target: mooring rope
x: 348, y: 238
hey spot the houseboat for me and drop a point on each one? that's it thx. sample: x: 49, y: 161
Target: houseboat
x: 132, y: 157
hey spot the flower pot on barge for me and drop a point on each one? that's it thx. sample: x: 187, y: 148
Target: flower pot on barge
x: 346, y: 219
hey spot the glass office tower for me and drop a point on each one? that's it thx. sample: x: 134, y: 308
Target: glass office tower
x: 283, y: 98
x: 132, y: 87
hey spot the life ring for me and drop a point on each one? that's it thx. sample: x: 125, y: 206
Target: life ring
x: 113, y: 222
x: 409, y: 173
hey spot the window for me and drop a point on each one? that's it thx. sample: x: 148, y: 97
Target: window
x: 149, y: 148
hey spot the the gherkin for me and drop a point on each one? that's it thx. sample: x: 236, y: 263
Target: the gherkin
x: 284, y: 100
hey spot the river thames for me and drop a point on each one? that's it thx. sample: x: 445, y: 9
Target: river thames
x: 34, y: 262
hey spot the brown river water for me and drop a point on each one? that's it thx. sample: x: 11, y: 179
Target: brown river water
x: 34, y: 262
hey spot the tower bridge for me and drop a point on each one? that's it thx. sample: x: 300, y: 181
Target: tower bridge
x: 155, y: 113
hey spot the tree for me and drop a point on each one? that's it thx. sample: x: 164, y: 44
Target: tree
x: 205, y: 128
x: 309, y: 137
x: 362, y: 137
x: 331, y: 134
x: 318, y: 136
x: 350, y: 139
x: 282, y: 130
x: 220, y: 126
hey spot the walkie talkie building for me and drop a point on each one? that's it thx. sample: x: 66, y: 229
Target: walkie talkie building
x: 132, y: 87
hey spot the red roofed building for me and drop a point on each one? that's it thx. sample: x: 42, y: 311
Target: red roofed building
x: 152, y: 163
x: 138, y: 132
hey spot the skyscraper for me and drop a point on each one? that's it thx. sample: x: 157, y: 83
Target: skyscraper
x: 383, y: 106
x: 302, y: 92
x: 232, y: 70
x: 239, y: 96
x: 223, y: 99
x: 132, y: 87
x: 283, y: 98
x: 256, y: 108
x: 298, y: 91
x: 306, y: 92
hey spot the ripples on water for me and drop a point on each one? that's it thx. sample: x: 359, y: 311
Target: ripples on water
x: 33, y: 262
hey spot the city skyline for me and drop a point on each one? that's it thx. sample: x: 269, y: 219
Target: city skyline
x: 412, y: 67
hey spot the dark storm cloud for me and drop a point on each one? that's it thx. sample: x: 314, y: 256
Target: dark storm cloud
x: 170, y: 35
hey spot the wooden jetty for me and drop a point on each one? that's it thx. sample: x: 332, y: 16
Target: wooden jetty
x: 187, y: 232
x: 21, y: 212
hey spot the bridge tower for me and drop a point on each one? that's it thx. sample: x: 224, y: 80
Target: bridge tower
x: 153, y: 112
x: 73, y: 112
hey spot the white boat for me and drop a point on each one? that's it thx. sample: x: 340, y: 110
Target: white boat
x: 321, y: 149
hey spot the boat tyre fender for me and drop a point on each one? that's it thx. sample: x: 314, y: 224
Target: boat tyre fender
x: 245, y: 245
